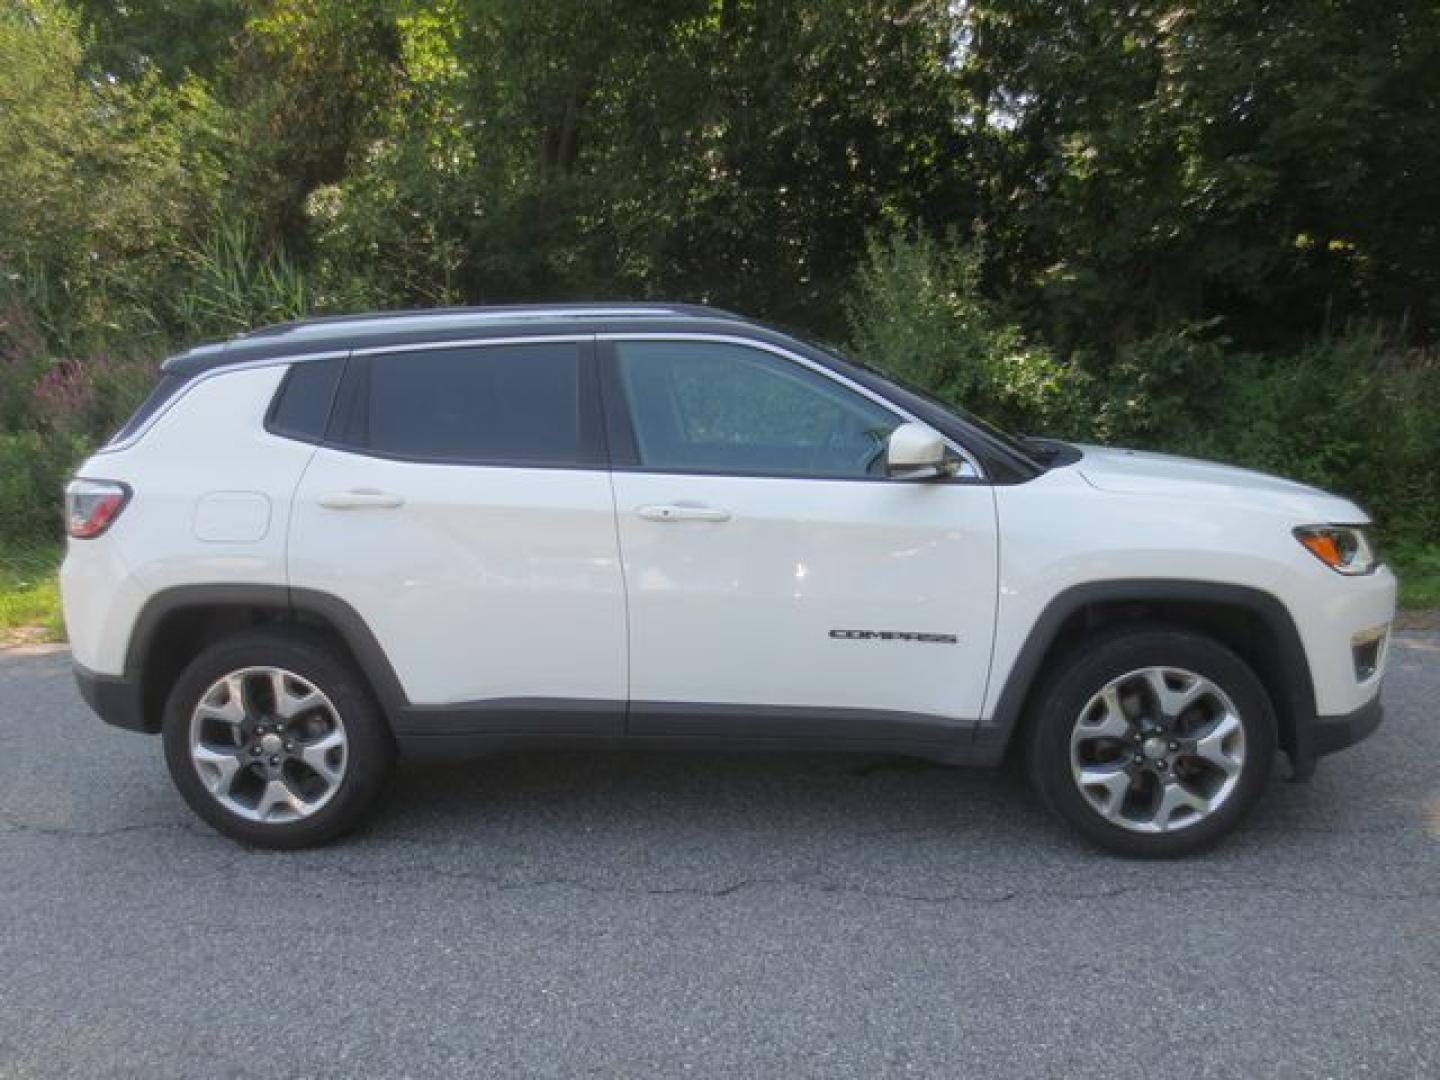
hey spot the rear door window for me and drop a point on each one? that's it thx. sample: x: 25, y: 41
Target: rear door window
x: 529, y: 404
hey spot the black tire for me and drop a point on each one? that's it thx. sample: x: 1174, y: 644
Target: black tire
x: 1085, y: 671
x: 369, y: 754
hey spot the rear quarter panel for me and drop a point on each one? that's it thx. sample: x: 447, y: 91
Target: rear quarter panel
x: 211, y: 495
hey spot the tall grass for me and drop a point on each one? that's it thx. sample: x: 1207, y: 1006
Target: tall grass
x: 234, y: 283
x: 29, y: 594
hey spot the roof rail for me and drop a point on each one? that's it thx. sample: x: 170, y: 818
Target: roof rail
x: 498, y: 313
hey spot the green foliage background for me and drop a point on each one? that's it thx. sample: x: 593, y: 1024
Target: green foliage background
x: 1208, y: 226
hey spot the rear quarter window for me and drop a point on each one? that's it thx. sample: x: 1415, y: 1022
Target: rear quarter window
x: 302, y: 405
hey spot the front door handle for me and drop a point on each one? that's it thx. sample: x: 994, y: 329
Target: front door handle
x: 682, y: 512
x: 361, y: 499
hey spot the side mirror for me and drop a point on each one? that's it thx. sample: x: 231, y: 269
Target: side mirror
x: 914, y: 452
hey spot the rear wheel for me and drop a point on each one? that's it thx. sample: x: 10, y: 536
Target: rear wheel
x: 274, y: 740
x: 1153, y: 741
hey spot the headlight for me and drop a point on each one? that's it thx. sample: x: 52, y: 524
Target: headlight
x: 1344, y: 548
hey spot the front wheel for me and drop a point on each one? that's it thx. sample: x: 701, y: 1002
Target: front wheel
x: 1152, y: 742
x: 274, y: 740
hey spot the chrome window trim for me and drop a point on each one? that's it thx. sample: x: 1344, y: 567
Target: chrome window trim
x: 968, y: 458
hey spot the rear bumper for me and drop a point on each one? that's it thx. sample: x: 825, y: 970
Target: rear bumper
x: 115, y: 699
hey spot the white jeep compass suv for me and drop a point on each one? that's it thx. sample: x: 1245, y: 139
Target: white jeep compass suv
x: 437, y: 532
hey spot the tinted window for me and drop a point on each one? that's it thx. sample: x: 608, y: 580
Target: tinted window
x: 302, y: 404
x: 710, y: 407
x: 498, y: 404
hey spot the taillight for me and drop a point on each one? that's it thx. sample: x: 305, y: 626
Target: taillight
x: 91, y: 505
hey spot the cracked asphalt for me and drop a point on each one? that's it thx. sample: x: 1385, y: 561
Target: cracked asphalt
x: 662, y: 915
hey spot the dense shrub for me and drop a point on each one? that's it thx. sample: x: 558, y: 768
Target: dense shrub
x: 52, y: 412
x: 33, y: 471
x: 915, y: 311
x: 1346, y: 414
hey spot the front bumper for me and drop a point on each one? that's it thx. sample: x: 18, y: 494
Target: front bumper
x: 1332, y: 733
x: 1334, y: 618
x: 115, y: 699
x: 1327, y: 734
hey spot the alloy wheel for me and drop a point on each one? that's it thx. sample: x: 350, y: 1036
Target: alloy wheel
x: 268, y: 745
x: 1158, y: 750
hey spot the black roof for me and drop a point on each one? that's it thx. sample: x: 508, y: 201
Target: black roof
x: 334, y: 333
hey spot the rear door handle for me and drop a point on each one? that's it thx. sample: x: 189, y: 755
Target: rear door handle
x: 361, y: 499
x: 682, y: 512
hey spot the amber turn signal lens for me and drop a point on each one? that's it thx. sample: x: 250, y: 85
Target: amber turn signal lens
x: 1323, y: 547
x: 1344, y: 548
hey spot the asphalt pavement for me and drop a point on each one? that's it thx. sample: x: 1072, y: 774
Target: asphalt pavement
x: 636, y: 915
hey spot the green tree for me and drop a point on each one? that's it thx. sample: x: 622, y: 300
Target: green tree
x: 130, y: 39
x: 1155, y: 163
x: 725, y: 151
x: 96, y: 181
